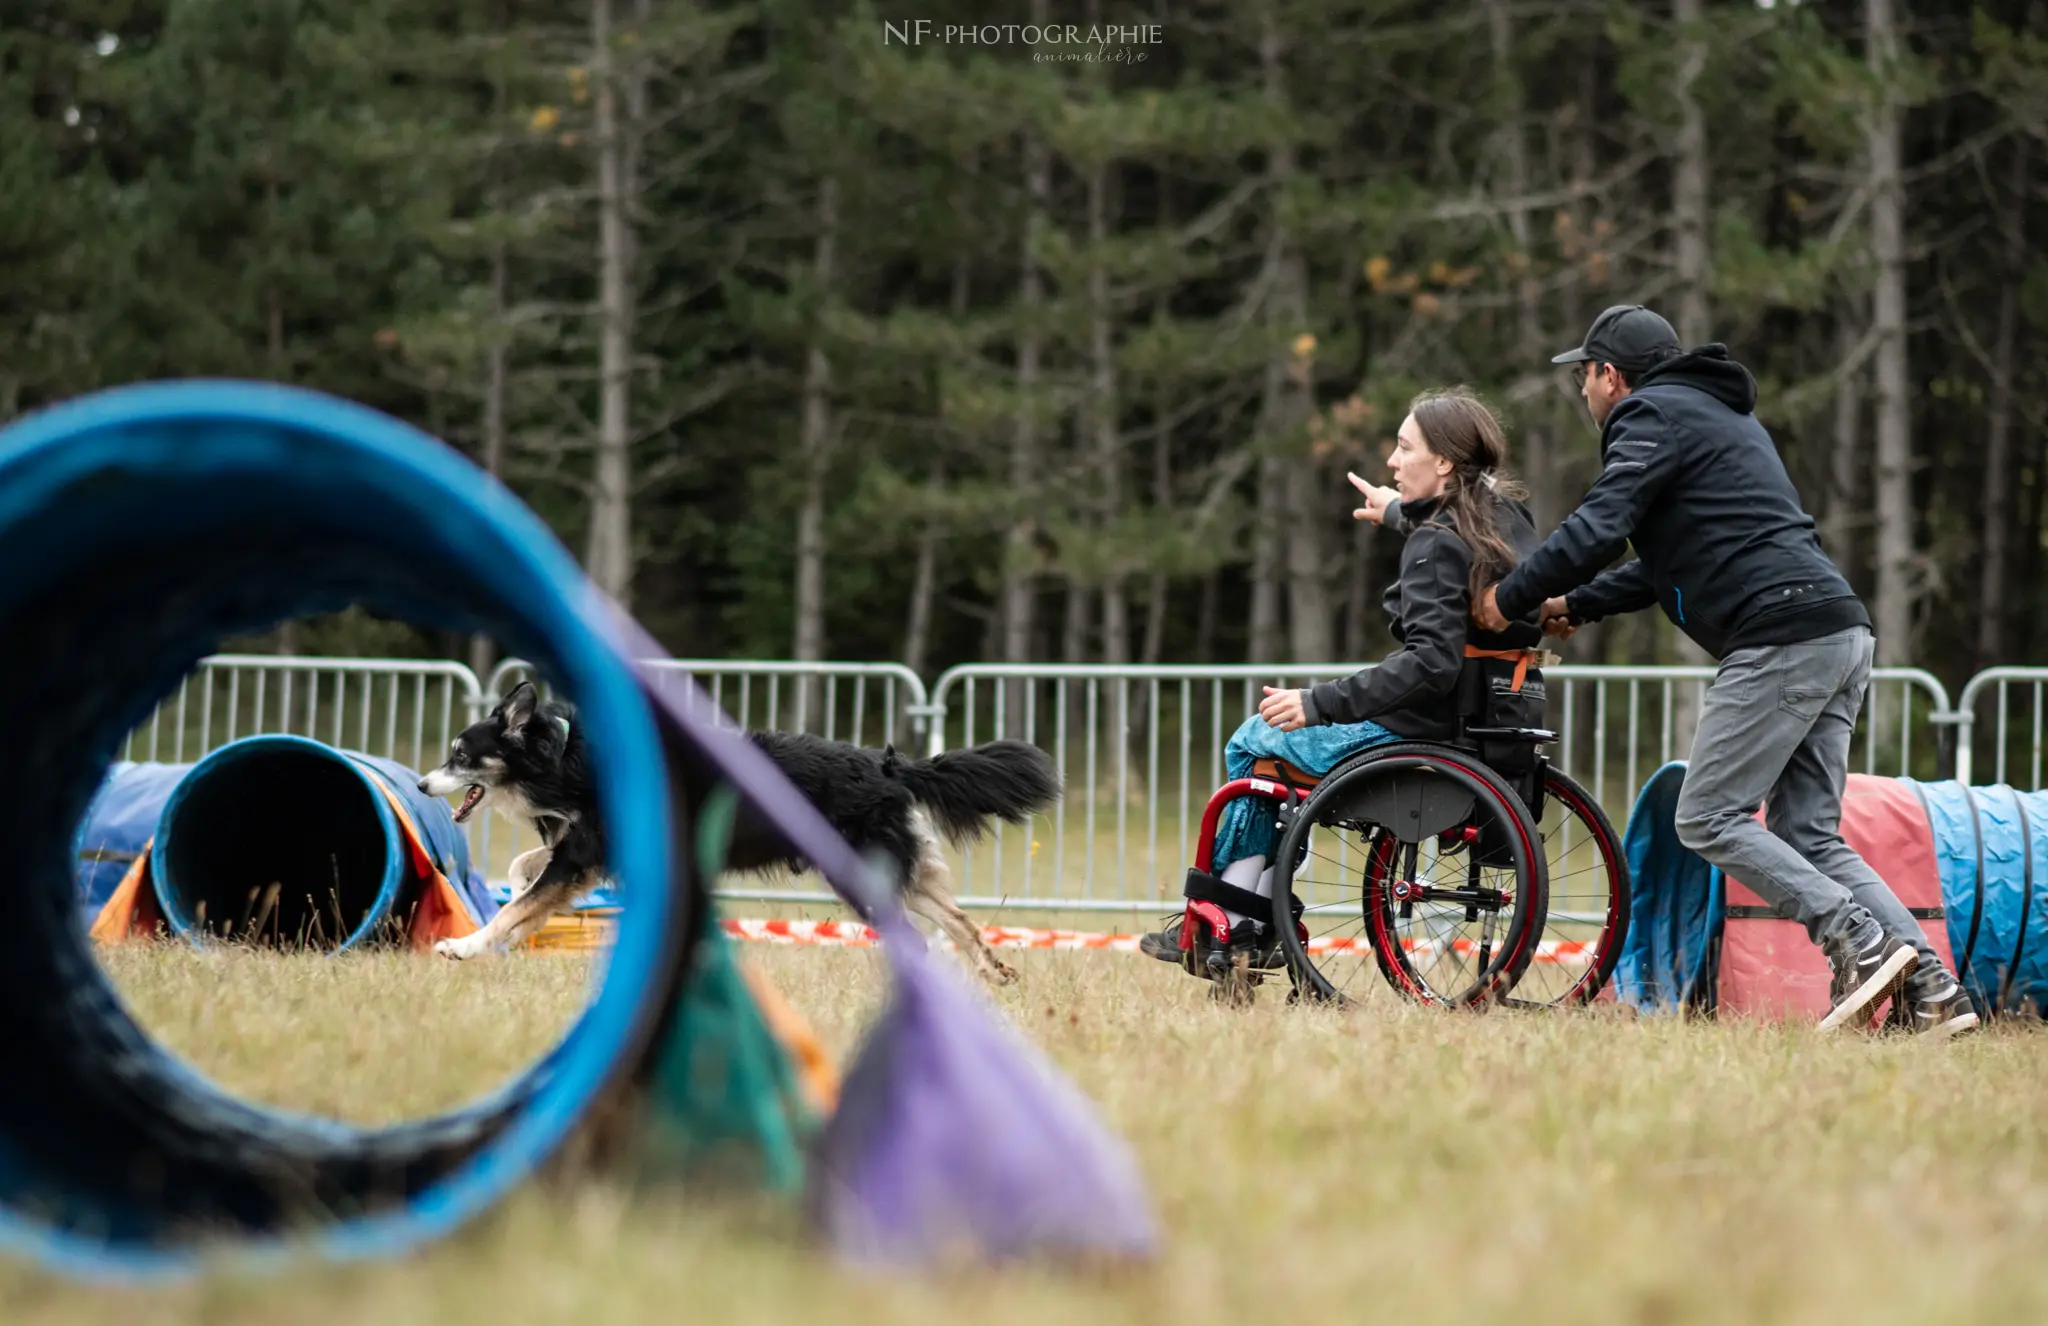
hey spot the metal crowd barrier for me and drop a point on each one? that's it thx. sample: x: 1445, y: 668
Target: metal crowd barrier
x: 403, y: 709
x: 2012, y: 740
x: 1140, y: 747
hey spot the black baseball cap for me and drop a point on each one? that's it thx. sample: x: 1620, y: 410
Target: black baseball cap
x: 1628, y: 336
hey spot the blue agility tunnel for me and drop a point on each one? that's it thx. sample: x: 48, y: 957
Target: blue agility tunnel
x: 281, y: 838
x: 117, y: 826
x: 138, y: 529
x: 1993, y: 860
x: 1971, y: 864
x: 141, y: 527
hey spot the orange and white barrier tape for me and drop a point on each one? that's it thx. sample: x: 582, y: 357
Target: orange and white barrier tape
x: 592, y: 929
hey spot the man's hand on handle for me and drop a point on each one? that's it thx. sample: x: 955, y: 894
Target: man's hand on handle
x: 1557, y: 618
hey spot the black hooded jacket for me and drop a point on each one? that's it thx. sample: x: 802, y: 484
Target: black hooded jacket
x: 1692, y: 480
x: 1414, y: 690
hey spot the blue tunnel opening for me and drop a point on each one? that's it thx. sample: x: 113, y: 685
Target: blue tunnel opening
x: 138, y: 529
x: 280, y: 841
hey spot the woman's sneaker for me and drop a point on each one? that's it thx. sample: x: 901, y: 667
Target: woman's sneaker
x: 1266, y: 954
x: 1864, y: 979
x: 1949, y: 1013
x: 1163, y: 944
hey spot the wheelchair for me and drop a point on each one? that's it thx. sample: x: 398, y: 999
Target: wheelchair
x: 1470, y: 872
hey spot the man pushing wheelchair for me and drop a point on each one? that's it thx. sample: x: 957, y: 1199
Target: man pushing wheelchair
x: 1692, y: 480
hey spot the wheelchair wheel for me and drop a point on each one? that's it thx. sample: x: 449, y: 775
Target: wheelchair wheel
x: 1587, y: 913
x: 1422, y: 857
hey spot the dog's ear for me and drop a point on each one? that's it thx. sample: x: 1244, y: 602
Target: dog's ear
x: 518, y: 709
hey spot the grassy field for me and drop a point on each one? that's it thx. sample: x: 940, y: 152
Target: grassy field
x: 1392, y: 1164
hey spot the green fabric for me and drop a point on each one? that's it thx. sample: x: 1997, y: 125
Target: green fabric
x: 724, y: 1097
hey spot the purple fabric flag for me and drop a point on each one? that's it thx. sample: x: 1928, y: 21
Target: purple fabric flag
x: 954, y: 1136
x: 956, y: 1139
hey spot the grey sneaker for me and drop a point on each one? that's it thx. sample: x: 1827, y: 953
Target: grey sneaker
x: 1947, y: 1013
x: 1266, y: 954
x: 1864, y: 979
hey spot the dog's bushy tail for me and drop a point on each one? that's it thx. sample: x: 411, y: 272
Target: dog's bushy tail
x: 963, y: 789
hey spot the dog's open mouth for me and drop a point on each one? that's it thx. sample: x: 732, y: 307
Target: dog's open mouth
x: 469, y: 800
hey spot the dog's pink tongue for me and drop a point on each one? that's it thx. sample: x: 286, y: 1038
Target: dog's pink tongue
x: 469, y: 800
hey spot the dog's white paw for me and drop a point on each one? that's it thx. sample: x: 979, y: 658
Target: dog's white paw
x: 459, y: 949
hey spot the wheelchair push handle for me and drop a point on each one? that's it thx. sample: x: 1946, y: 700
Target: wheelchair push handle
x: 1523, y: 659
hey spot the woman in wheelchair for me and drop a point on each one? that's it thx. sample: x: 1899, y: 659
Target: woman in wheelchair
x: 1466, y: 527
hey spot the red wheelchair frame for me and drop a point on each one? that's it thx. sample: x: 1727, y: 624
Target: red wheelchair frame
x: 1209, y: 913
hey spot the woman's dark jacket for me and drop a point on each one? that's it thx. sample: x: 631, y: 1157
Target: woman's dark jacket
x: 1414, y: 691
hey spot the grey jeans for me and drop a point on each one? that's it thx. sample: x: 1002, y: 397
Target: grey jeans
x: 1775, y: 730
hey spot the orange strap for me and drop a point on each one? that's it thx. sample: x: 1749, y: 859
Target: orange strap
x: 1521, y: 658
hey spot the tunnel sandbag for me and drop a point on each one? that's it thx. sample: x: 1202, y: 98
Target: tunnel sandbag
x: 1964, y: 861
x: 117, y: 827
x: 142, y: 526
x: 1770, y: 968
x: 139, y: 528
x: 1666, y: 957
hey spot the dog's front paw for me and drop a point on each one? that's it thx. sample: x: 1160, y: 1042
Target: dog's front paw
x: 1004, y: 974
x: 459, y: 949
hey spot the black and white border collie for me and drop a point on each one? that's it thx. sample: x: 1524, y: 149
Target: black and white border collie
x: 529, y: 760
